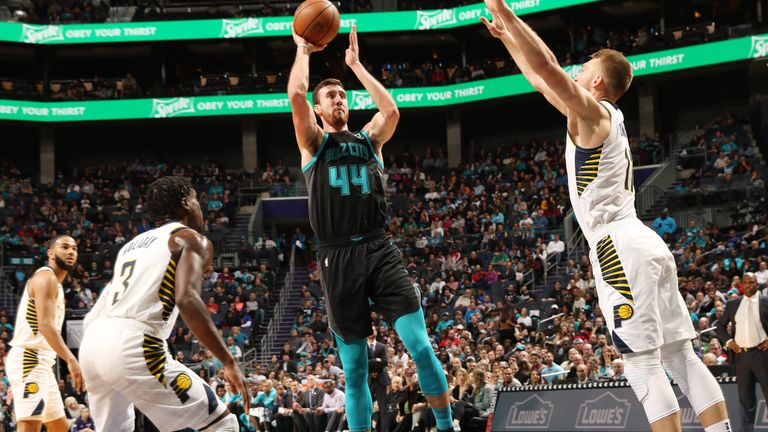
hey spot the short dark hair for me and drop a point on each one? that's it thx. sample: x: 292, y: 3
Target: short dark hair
x: 165, y: 194
x: 324, y: 83
x: 617, y: 69
x: 56, y: 238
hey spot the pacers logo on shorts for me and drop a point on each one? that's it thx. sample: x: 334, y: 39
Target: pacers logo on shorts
x: 622, y: 313
x: 181, y: 385
x: 30, y: 389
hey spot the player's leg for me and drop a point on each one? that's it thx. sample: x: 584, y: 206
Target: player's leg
x: 29, y: 376
x: 29, y: 425
x: 343, y: 276
x: 413, y: 332
x: 59, y: 425
x: 359, y: 405
x: 400, y: 303
x: 698, y: 384
x: 626, y: 276
x: 110, y: 409
x: 648, y: 380
x: 677, y: 355
x: 53, y: 414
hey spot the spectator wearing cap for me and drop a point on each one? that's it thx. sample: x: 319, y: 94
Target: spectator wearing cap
x: 444, y: 323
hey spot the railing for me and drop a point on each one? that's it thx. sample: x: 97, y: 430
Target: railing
x: 256, y: 223
x: 9, y: 299
x: 247, y: 195
x: 655, y: 187
x: 267, y: 344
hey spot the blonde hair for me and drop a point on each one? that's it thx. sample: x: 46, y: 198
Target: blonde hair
x: 617, y: 69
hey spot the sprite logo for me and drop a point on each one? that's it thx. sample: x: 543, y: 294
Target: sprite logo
x: 41, y: 34
x: 167, y: 108
x: 360, y: 100
x: 240, y: 27
x: 759, y: 47
x: 426, y: 20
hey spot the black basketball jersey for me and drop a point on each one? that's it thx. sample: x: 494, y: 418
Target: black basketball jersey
x: 346, y: 192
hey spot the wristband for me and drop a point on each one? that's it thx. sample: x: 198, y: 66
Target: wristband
x: 303, y: 46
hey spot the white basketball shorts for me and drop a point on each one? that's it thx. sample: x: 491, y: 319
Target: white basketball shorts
x: 34, y: 386
x: 123, y: 365
x: 636, y: 279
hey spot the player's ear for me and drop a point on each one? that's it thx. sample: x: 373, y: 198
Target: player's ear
x: 318, y: 110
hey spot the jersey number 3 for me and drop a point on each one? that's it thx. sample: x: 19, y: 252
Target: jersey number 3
x: 127, y: 268
x: 341, y: 176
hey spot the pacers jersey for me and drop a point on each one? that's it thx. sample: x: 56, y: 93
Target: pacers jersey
x: 143, y: 286
x: 27, y: 334
x: 600, y: 180
x: 346, y: 192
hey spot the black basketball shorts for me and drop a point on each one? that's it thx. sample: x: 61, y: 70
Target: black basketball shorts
x: 361, y: 274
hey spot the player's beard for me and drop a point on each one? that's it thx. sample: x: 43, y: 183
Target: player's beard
x: 338, y: 119
x: 63, y: 264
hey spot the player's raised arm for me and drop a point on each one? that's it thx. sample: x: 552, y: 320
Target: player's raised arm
x: 196, y: 254
x: 499, y: 31
x: 308, y: 133
x: 543, y: 63
x: 381, y: 128
x: 43, y: 288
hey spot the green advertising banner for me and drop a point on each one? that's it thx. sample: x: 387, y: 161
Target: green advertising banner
x: 419, y: 97
x: 259, y: 27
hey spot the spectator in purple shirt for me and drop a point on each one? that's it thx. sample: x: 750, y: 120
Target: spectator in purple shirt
x: 84, y: 423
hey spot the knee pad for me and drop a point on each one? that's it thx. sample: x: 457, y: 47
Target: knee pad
x: 646, y: 376
x: 691, y: 375
x: 227, y: 424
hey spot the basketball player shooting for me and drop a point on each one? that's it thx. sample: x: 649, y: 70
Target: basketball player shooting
x: 635, y: 273
x: 347, y: 207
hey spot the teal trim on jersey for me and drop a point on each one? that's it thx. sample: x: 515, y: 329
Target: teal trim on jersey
x: 317, y: 154
x: 373, y: 150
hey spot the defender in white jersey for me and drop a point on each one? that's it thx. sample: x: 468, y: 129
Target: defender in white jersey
x: 635, y: 273
x: 124, y: 355
x: 37, y: 340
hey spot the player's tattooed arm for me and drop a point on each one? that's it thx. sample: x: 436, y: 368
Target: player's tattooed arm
x: 381, y: 128
x: 43, y: 289
x: 195, y: 254
x: 308, y: 133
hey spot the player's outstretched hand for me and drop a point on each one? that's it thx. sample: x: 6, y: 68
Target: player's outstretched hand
x: 353, y: 52
x: 495, y: 6
x: 236, y: 379
x: 77, y: 374
x: 301, y: 41
x: 496, y: 27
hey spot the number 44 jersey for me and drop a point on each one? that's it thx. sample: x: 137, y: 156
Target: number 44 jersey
x: 143, y: 286
x: 346, y: 192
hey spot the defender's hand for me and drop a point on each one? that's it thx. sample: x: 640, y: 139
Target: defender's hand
x: 496, y: 27
x: 353, y: 52
x: 495, y: 6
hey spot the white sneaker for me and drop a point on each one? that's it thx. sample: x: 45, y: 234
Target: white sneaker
x: 456, y: 426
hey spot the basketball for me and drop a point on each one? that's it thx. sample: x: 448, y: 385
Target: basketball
x: 317, y: 21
